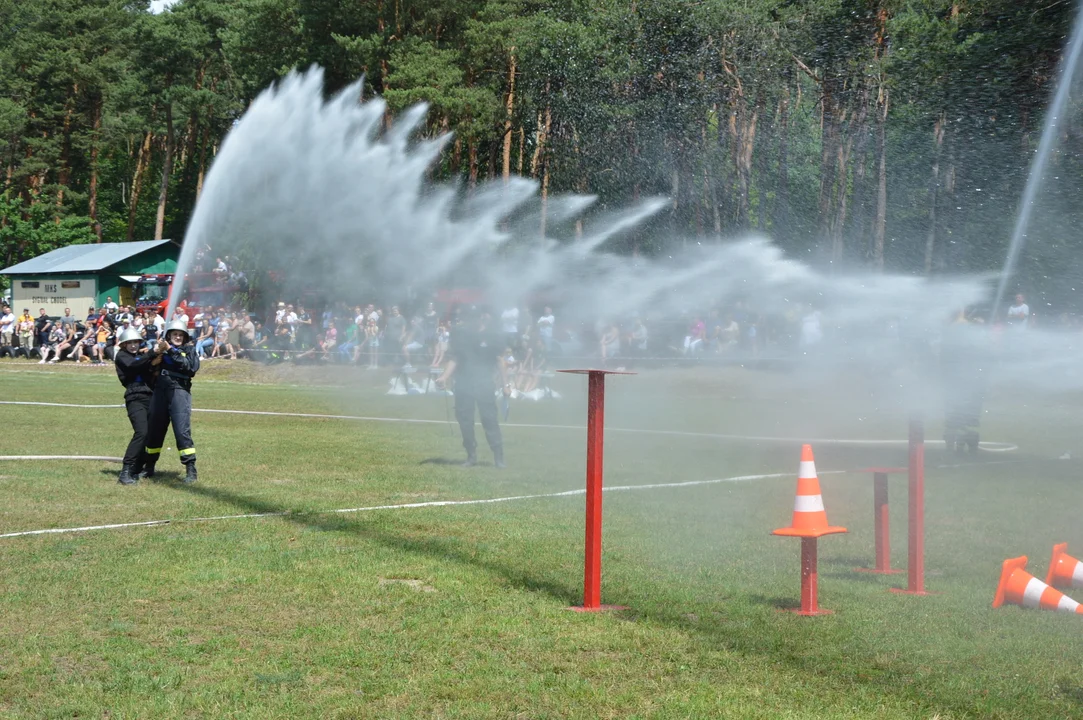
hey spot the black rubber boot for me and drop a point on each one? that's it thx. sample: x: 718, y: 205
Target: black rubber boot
x: 471, y: 459
x: 147, y: 471
x: 498, y: 458
x: 127, y: 477
x: 190, y: 475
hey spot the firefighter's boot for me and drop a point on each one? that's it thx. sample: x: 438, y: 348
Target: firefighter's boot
x: 128, y: 476
x: 190, y: 475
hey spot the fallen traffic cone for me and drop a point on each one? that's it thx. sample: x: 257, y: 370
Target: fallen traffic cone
x: 809, y: 523
x: 1018, y: 587
x: 809, y: 516
x: 1064, y: 570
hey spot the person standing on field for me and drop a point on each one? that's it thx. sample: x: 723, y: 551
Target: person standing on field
x: 475, y: 358
x: 137, y: 370
x: 172, y: 399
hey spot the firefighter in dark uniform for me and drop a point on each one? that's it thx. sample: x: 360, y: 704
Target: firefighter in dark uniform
x: 475, y: 359
x: 172, y: 399
x: 137, y: 372
x: 964, y: 359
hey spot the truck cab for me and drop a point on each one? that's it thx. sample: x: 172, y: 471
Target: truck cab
x: 202, y: 293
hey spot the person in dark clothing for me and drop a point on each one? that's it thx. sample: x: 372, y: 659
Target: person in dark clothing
x: 475, y: 358
x: 172, y: 399
x: 963, y: 362
x: 137, y: 372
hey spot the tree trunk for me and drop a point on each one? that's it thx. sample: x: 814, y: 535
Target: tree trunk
x: 472, y: 159
x: 137, y: 182
x: 934, y: 190
x: 63, y: 174
x: 545, y: 121
x: 782, y: 193
x: 522, y: 144
x: 95, y: 146
x: 745, y: 141
x: 167, y: 170
x: 880, y: 232
x: 544, y: 196
x: 509, y: 105
x: 202, y: 160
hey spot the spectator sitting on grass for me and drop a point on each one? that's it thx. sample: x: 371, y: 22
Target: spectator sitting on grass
x: 56, y: 342
x: 206, y: 340
x: 440, y: 348
x: 84, y: 346
x: 330, y: 339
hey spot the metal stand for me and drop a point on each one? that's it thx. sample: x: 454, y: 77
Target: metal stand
x: 809, y: 580
x: 881, y: 520
x: 916, y: 546
x: 592, y: 562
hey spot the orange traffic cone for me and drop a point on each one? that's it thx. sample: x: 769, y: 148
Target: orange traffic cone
x: 1064, y: 570
x: 809, y: 516
x: 1018, y: 587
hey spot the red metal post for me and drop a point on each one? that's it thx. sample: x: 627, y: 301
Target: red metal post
x: 809, y: 580
x: 916, y: 531
x: 592, y: 564
x: 592, y: 561
x: 882, y: 521
x: 808, y: 576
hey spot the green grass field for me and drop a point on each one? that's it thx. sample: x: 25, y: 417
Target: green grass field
x: 460, y: 611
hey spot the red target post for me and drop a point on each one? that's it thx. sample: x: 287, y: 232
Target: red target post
x: 916, y: 531
x: 592, y: 562
x: 881, y: 520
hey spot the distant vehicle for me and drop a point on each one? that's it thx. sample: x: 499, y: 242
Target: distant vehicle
x: 202, y: 293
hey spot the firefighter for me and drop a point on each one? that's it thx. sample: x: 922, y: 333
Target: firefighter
x: 964, y: 366
x: 137, y: 372
x: 475, y: 357
x: 172, y: 399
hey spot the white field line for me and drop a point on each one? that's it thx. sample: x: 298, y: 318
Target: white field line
x: 986, y: 446
x: 62, y: 457
x: 404, y: 506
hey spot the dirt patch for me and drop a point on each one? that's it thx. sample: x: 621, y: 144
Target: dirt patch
x: 418, y: 585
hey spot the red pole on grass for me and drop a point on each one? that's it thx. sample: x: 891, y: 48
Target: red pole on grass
x: 916, y: 531
x: 881, y: 520
x: 592, y: 560
x: 809, y: 579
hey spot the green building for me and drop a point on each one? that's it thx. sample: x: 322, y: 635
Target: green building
x: 79, y: 276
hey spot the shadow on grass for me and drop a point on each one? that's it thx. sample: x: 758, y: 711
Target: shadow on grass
x: 752, y: 625
x: 441, y: 461
x: 431, y: 546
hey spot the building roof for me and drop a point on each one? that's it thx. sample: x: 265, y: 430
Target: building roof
x: 82, y: 258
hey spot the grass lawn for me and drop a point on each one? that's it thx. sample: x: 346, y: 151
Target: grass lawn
x: 459, y: 611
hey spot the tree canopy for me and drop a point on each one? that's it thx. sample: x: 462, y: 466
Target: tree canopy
x: 880, y: 133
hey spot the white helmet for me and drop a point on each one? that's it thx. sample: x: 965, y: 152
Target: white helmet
x: 129, y: 335
x: 178, y: 325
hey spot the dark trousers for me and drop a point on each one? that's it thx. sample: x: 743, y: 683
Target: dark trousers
x: 466, y: 397
x: 138, y: 405
x: 172, y: 403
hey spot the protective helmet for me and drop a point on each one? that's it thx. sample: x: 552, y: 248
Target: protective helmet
x: 178, y: 325
x: 130, y: 334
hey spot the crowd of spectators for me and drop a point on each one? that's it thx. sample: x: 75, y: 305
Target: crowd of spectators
x: 89, y: 339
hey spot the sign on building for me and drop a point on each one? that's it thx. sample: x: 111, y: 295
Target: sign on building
x: 54, y: 294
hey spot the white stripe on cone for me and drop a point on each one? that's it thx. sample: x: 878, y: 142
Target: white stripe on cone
x: 1077, y: 575
x: 1067, y: 603
x: 808, y: 503
x: 1033, y: 594
x: 807, y: 471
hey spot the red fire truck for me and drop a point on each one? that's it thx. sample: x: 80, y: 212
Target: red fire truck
x: 202, y: 292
